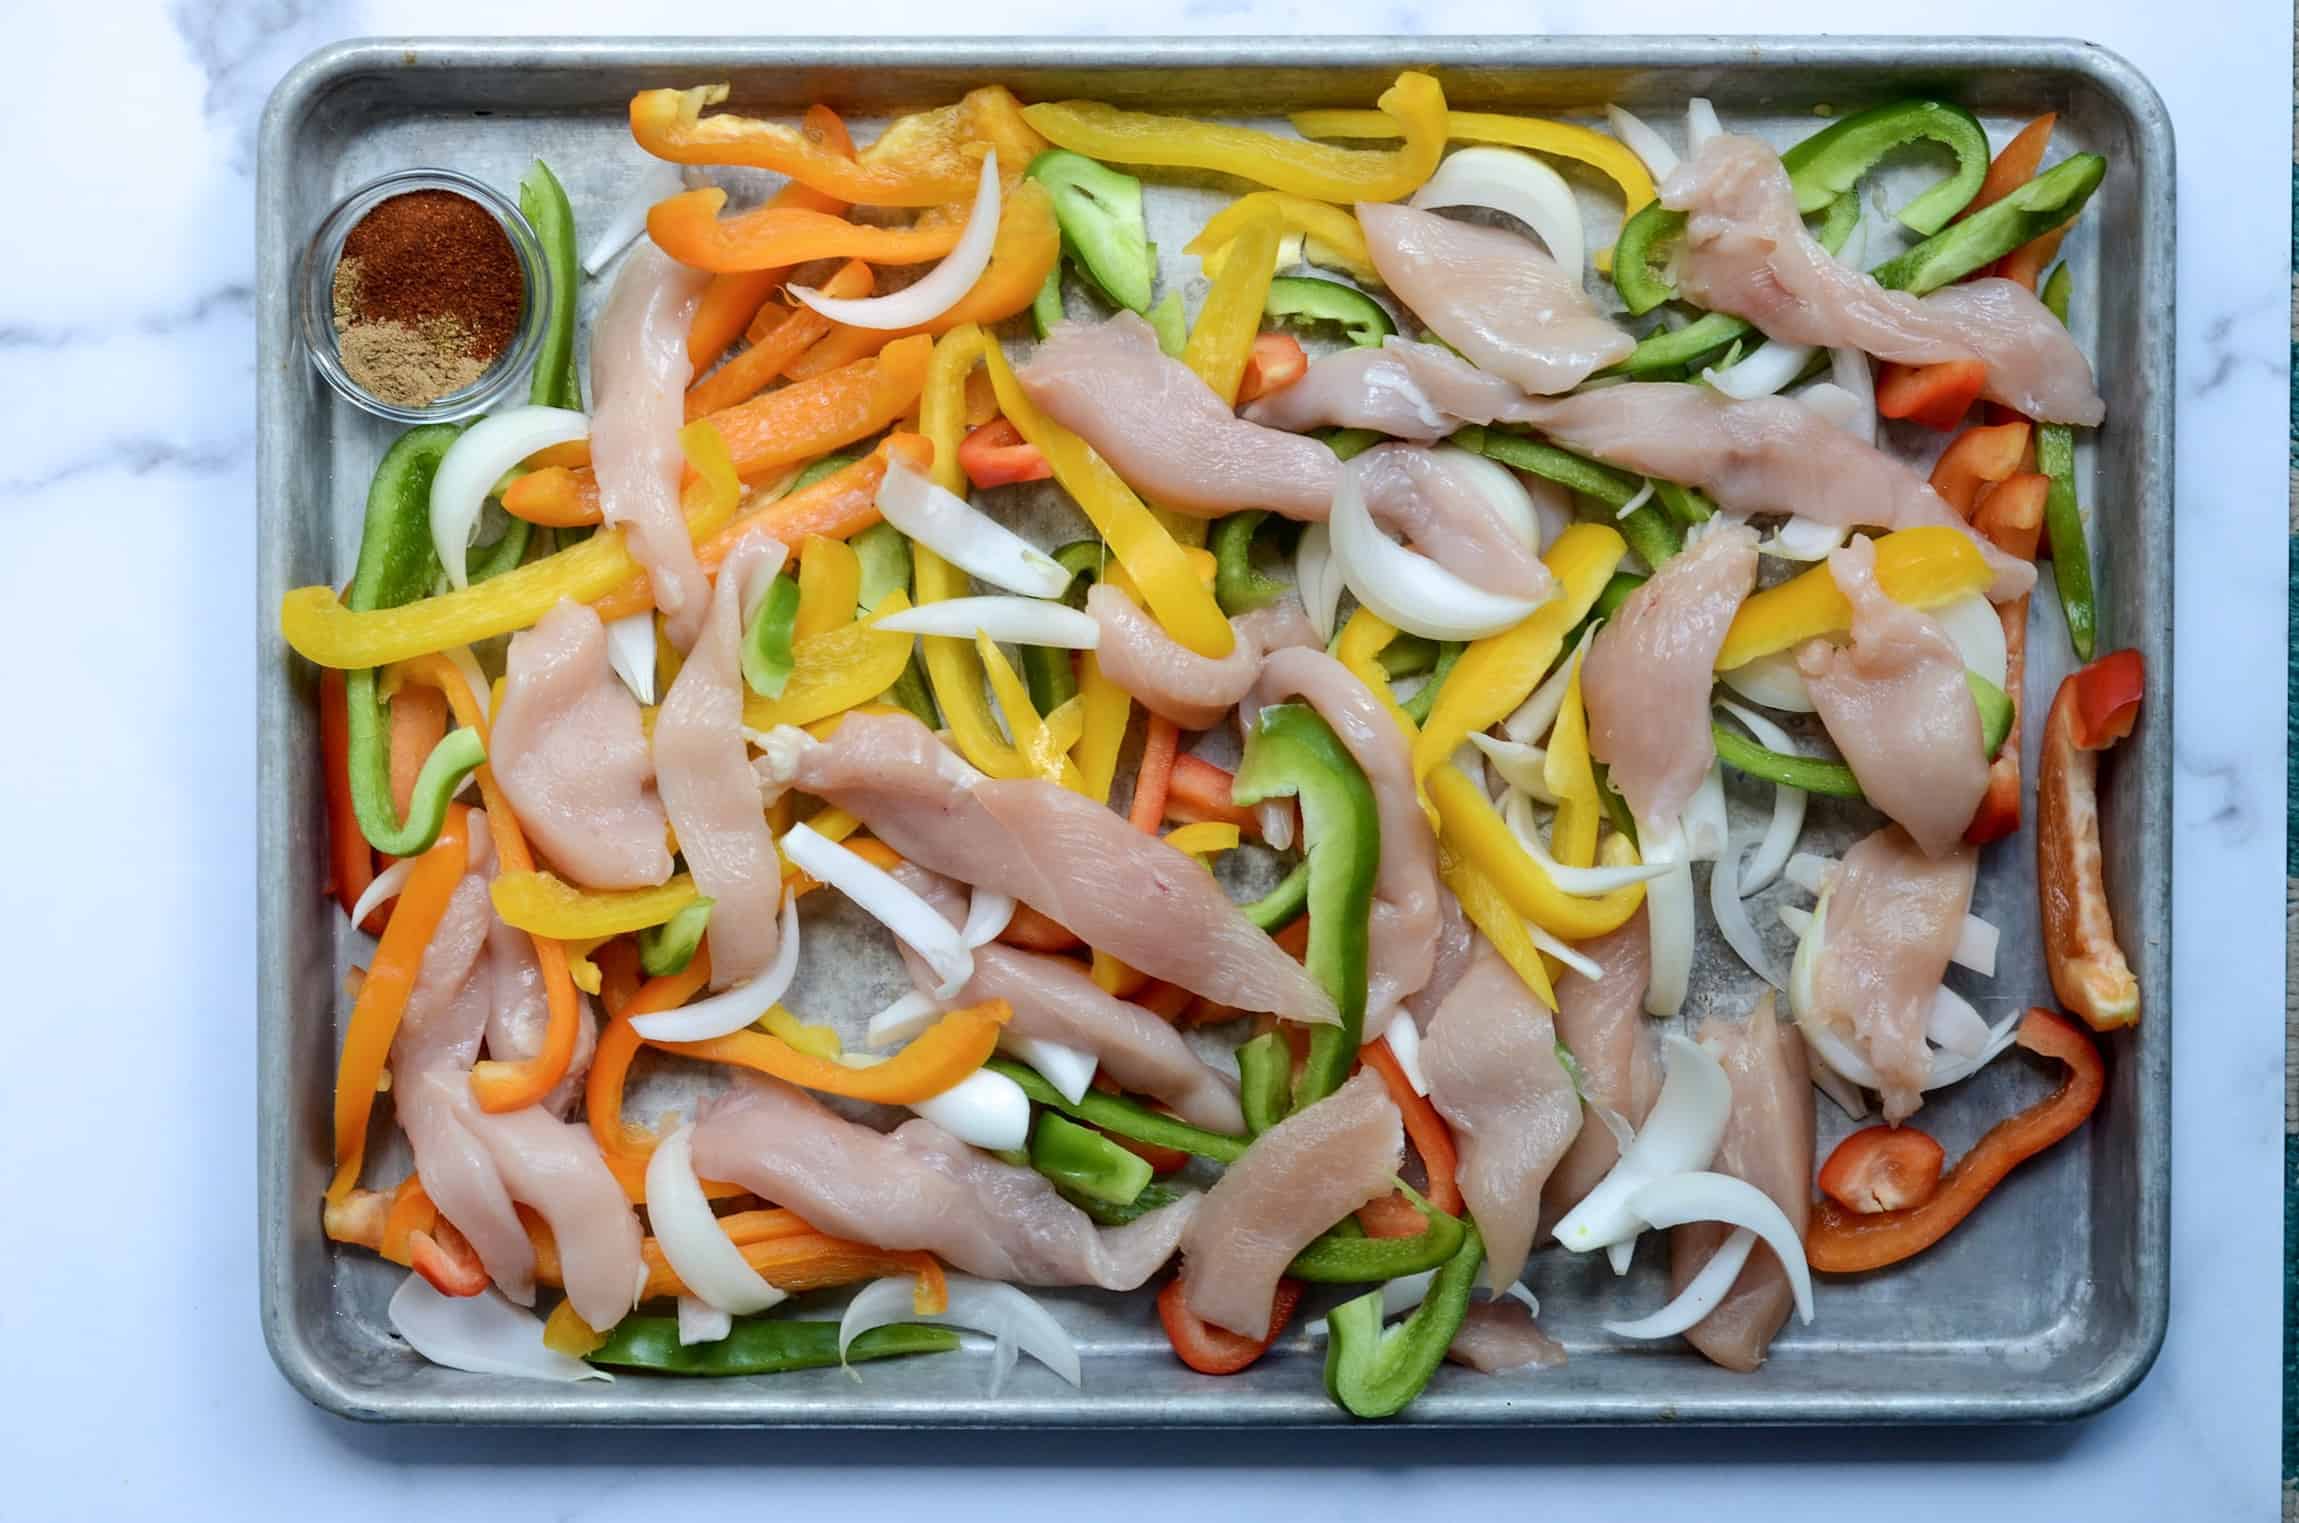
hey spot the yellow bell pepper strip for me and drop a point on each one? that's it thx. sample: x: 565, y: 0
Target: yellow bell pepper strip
x: 565, y: 1332
x: 814, y: 1041
x: 1922, y: 567
x: 829, y: 587
x: 1608, y: 156
x: 943, y: 1054
x: 1332, y: 236
x: 1230, y: 319
x: 1414, y: 105
x: 1045, y: 758
x: 1477, y: 834
x: 383, y: 994
x: 1496, y: 674
x: 1203, y: 838
x: 1169, y: 582
x: 1489, y: 911
x: 831, y: 673
x: 1567, y: 770
x: 321, y: 630
x: 546, y: 905
x: 670, y: 125
x: 987, y: 116
x: 1057, y: 738
x: 1108, y: 711
x: 585, y: 973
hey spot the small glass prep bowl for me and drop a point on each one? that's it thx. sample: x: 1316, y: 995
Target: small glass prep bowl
x: 318, y: 278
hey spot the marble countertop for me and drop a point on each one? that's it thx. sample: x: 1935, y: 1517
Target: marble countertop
x: 138, y: 1383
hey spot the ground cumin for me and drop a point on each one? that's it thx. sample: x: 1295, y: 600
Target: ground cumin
x: 427, y: 296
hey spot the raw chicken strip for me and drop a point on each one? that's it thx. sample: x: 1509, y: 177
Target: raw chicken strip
x: 1603, y: 1025
x: 1746, y: 252
x: 572, y: 758
x: 1054, y: 999
x: 1457, y: 943
x: 1168, y: 677
x: 521, y: 1014
x: 1649, y: 673
x: 1768, y: 1142
x: 919, y: 1188
x: 1896, y: 704
x: 639, y: 375
x: 1074, y: 861
x: 1495, y: 296
x: 1299, y: 1178
x: 1499, y: 1336
x: 1166, y: 432
x: 702, y: 765
x: 1893, y: 917
x: 1431, y: 497
x: 1491, y: 1059
x: 1764, y: 455
x: 1403, y: 389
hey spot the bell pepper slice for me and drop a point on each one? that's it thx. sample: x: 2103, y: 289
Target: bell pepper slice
x: 803, y: 1261
x: 2011, y: 515
x: 1265, y: 1078
x: 669, y: 947
x: 1609, y: 156
x: 2016, y: 164
x: 1976, y: 459
x: 544, y: 904
x: 1832, y: 161
x: 1046, y: 754
x: 2095, y: 707
x: 1229, y: 320
x: 759, y: 1346
x: 1203, y: 838
x: 765, y: 649
x: 1570, y: 772
x: 1305, y: 300
x: 688, y: 227
x: 1100, y: 212
x: 1330, y: 235
x: 670, y: 125
x: 790, y: 333
x: 943, y: 1054
x: 350, y: 860
x: 831, y: 673
x: 1883, y: 1168
x: 1481, y: 838
x: 1122, y: 1117
x: 1490, y: 911
x: 1922, y: 567
x: 1212, y: 1350
x: 1238, y: 585
x: 1084, y: 1161
x: 1845, y: 1242
x: 1372, y: 1371
x: 1827, y: 778
x: 829, y: 587
x: 1937, y: 395
x: 1415, y: 103
x: 1432, y: 1140
x: 1647, y: 529
x: 2063, y: 524
x: 557, y: 380
x: 627, y: 1148
x: 1273, y: 362
x: 996, y: 455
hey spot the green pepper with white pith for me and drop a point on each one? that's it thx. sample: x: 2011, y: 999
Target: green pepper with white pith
x: 1099, y: 211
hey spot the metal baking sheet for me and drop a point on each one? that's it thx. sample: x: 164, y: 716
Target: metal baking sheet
x: 2003, y: 1321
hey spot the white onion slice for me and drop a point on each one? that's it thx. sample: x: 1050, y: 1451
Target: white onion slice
x: 730, y: 1010
x: 966, y: 537
x: 1707, y: 1197
x: 1406, y: 588
x: 941, y: 288
x: 1972, y: 623
x: 1699, y: 1296
x: 1772, y: 680
x: 1849, y: 369
x: 1512, y: 181
x: 479, y: 457
x: 1680, y: 1134
x: 1976, y: 939
x: 985, y: 1109
x: 1802, y: 539
x: 1564, y: 952
x: 1668, y: 907
x: 1847, y: 1095
x: 1760, y: 374
x: 1538, y: 713
x: 1069, y: 1069
x: 886, y: 901
x: 386, y: 885
x: 1773, y: 852
x: 1954, y: 1026
x: 1637, y: 499
x: 1810, y: 872
x: 1522, y: 766
x: 631, y: 652
x: 701, y: 1322
x: 1020, y: 621
x: 1579, y: 882
x: 1642, y: 141
x: 1706, y: 820
x: 1503, y: 489
x: 1732, y: 919
x: 1838, y: 1053
x: 1976, y: 943
x: 900, y: 1021
x: 984, y: 1306
x: 483, y: 1334
x: 693, y: 1242
x: 1317, y: 577
x: 1404, y: 1039
x: 988, y: 913
x: 1832, y: 402
x: 1700, y: 123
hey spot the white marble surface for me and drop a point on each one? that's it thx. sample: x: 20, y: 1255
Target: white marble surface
x: 136, y: 1383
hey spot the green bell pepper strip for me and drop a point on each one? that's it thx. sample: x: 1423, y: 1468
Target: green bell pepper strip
x: 1830, y: 162
x: 1237, y: 584
x: 1372, y: 1371
x: 912, y: 691
x: 759, y: 1346
x: 1345, y: 1256
x: 1693, y: 346
x: 2058, y: 288
x: 1052, y: 679
x: 1615, y: 593
x: 1100, y: 214
x: 1085, y: 1162
x: 1616, y: 807
x: 543, y: 202
x: 1083, y: 559
x: 1126, y: 1118
x: 766, y: 657
x: 1407, y: 656
x: 1046, y: 307
x: 1836, y: 780
x: 1349, y: 443
x: 1995, y: 708
x: 2063, y: 515
x: 1265, y: 1081
x: 1687, y: 505
x: 1282, y: 905
x: 828, y: 465
x: 1170, y: 324
x: 1650, y: 532
x: 1640, y: 258
x: 667, y: 948
x: 884, y: 552
x: 2045, y: 202
x: 508, y: 550
x: 1424, y: 697
x: 1292, y: 752
x: 1307, y: 301
x: 1152, y: 1197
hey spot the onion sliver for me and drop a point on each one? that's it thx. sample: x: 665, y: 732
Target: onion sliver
x: 1954, y: 1026
x: 1668, y: 907
x: 886, y: 901
x: 941, y: 288
x: 1849, y: 369
x: 484, y: 1334
x: 1707, y: 1197
x: 1699, y: 1296
x: 631, y: 652
x: 1768, y: 370
x: 479, y: 457
x: 984, y: 1306
x: 1801, y: 539
x: 1731, y: 913
x: 1533, y: 718
x: 1810, y: 872
x: 1681, y: 1133
x: 701, y: 1322
x: 1833, y: 403
x: 1408, y: 589
x: 900, y: 1021
x: 984, y: 1109
x: 1972, y: 623
x: 1642, y: 141
x: 1069, y: 1069
x: 386, y: 885
x: 1637, y: 499
x: 1774, y: 852
x: 1552, y: 508
x: 988, y: 913
x: 1707, y: 823
x: 1512, y: 181
x: 1522, y: 766
x: 1976, y: 946
x: 1019, y: 621
x: 1404, y: 1039
x: 1772, y: 681
x: 1580, y: 882
x: 1317, y: 577
x: 1700, y: 123
x: 693, y: 1243
x: 730, y: 1010
x: 965, y: 536
x: 1564, y: 952
x: 1834, y: 1085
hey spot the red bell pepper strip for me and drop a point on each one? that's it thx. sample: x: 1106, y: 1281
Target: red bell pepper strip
x: 1844, y: 1242
x: 2107, y: 695
x: 1212, y: 1350
x: 1976, y: 458
x: 1275, y: 362
x: 1883, y: 1168
x: 997, y: 455
x: 1155, y: 776
x: 446, y: 1258
x: 1936, y: 396
x: 1427, y: 1130
x: 2095, y: 707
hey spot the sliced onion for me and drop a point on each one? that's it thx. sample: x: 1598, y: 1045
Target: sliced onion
x: 1020, y: 621
x: 965, y: 536
x: 1512, y: 181
x: 1668, y: 907
x: 1802, y: 539
x: 1972, y: 623
x: 386, y: 885
x: 1700, y: 1295
x: 1850, y: 370
x: 985, y: 1109
x: 480, y: 457
x: 1724, y: 901
x: 484, y: 1334
x: 1976, y: 944
x: 1564, y: 952
x: 1538, y: 713
x: 1646, y: 144
x: 988, y: 913
x: 1579, y: 882
x: 903, y: 1019
x: 1521, y: 766
x: 701, y: 1322
x: 1706, y: 821
x: 1976, y: 939
x: 631, y: 652
x: 1810, y: 872
x: 1406, y: 588
x: 1773, y: 681
x: 939, y: 289
x: 1779, y: 844
x: 1069, y: 1069
x: 730, y: 1010
x: 1637, y: 499
x: 1830, y: 1044
x: 1954, y: 1026
x: 693, y: 1242
x: 886, y: 901
x: 1707, y: 1197
x: 984, y: 1306
x: 1502, y: 489
x: 1759, y: 374
x: 1833, y: 403
x: 1700, y: 123
x: 1847, y: 1095
x: 1680, y: 1134
x: 1404, y: 1039
x: 1317, y: 576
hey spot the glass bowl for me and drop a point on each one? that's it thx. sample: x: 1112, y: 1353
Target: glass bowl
x: 317, y: 276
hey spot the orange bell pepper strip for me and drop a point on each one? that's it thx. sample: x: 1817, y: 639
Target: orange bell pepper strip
x: 984, y: 118
x: 1036, y: 932
x: 350, y: 861
x: 1147, y: 810
x: 1212, y: 1350
x: 1275, y: 362
x: 1936, y: 395
x: 996, y: 455
x: 411, y: 1212
x: 733, y: 303
x: 2011, y: 515
x: 2095, y: 707
x: 1883, y: 1168
x: 804, y: 1261
x: 383, y: 995
x: 946, y: 1052
x: 418, y: 722
x: 688, y: 227
x: 1975, y: 459
x: 794, y: 331
x: 1432, y: 1140
x: 627, y: 1148
x: 2014, y: 165
x: 1198, y: 791
x: 2025, y: 265
x: 778, y: 428
x: 1846, y: 1242
x: 670, y: 125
